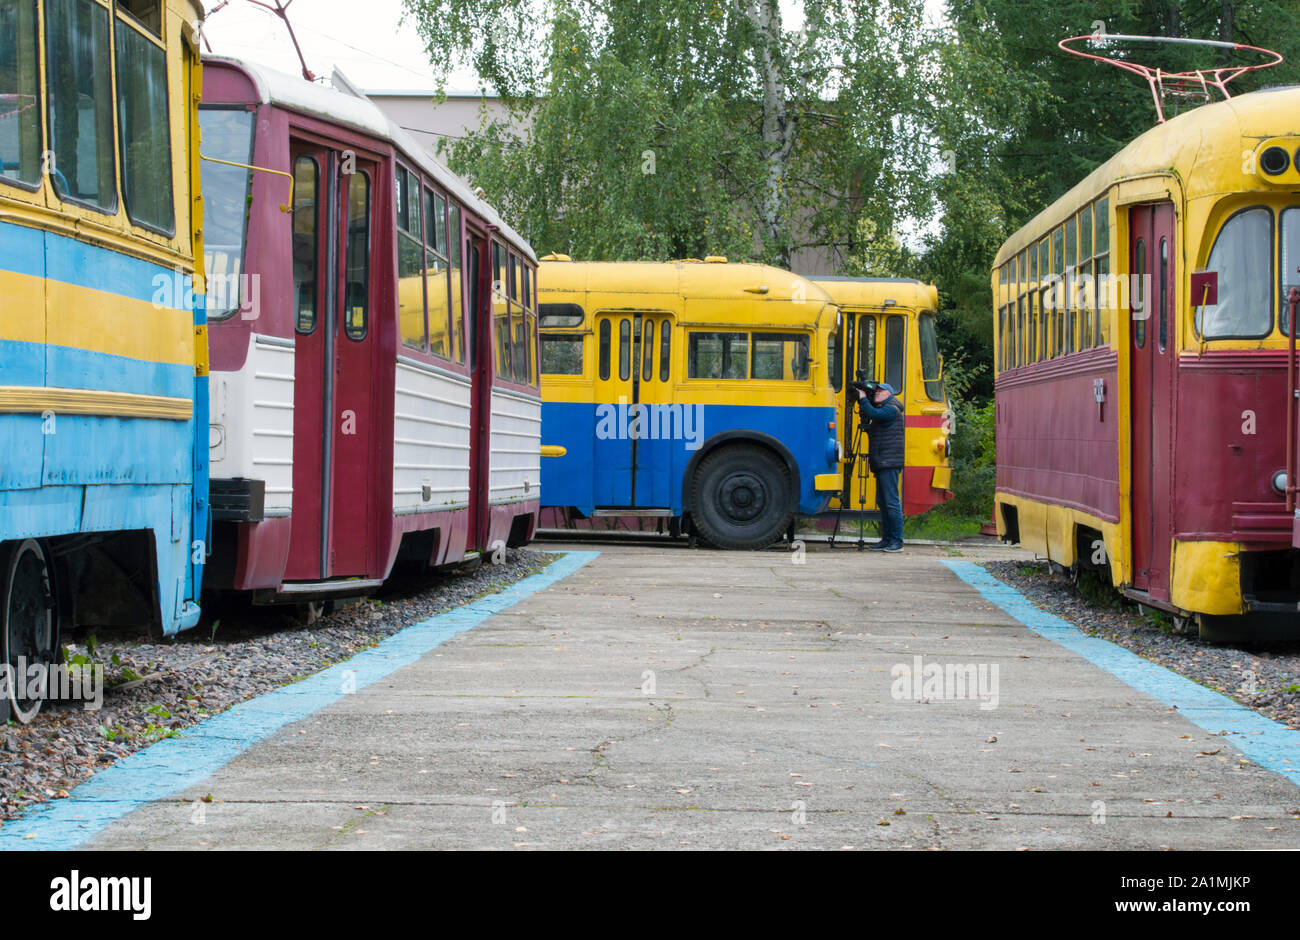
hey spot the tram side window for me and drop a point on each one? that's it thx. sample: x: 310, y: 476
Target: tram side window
x: 647, y: 349
x: 20, y: 104
x: 781, y: 356
x: 145, y: 131
x: 80, y: 102
x: 931, y: 364
x: 410, y: 263
x: 718, y: 356
x: 228, y: 135
x: 604, y: 350
x: 455, y: 279
x: 895, y: 352
x: 147, y: 12
x: 500, y: 311
x: 665, y: 351
x: 1242, y: 256
x: 306, y: 250
x: 521, y: 355
x: 561, y: 352
x: 1290, y: 261
x: 436, y: 274
x: 356, y: 296
x: 624, y: 349
x: 835, y: 357
x: 1101, y: 269
x: 866, y: 367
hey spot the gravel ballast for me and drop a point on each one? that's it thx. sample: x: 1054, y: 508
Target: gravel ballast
x: 153, y: 689
x: 1265, y: 677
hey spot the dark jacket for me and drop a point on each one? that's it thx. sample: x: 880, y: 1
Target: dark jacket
x: 885, y: 430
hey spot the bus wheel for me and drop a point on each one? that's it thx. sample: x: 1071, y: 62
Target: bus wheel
x: 741, y: 498
x: 29, y: 625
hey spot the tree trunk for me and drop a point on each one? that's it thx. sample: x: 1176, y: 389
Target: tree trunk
x: 778, y: 125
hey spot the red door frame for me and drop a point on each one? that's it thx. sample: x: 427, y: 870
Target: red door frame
x: 1152, y: 259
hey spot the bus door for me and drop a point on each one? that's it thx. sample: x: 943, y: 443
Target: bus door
x: 663, y: 433
x: 876, y: 347
x: 613, y: 394
x: 334, y: 365
x: 1151, y: 307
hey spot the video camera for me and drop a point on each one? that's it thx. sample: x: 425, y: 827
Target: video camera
x: 863, y: 384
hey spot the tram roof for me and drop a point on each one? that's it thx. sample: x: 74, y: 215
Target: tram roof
x: 875, y: 291
x: 1197, y: 145
x: 361, y: 114
x: 694, y: 280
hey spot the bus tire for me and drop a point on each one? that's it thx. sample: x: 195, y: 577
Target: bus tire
x: 28, y: 621
x: 740, y: 497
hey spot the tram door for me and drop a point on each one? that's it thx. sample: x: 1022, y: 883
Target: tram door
x: 875, y: 349
x: 660, y: 431
x: 613, y: 455
x: 1151, y: 335
x: 478, y: 274
x: 334, y: 361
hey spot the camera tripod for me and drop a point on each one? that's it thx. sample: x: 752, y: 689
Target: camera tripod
x: 863, y: 473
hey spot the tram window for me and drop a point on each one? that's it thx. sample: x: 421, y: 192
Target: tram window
x: 1032, y: 326
x: 1290, y: 261
x: 895, y: 352
x: 228, y: 135
x: 1140, y: 301
x: 718, y: 356
x: 1102, y: 337
x: 499, y: 268
x: 411, y: 266
x: 80, y: 102
x: 1071, y: 244
x: 931, y: 365
x: 1058, y: 250
x: 647, y: 350
x: 665, y: 350
x: 625, y: 349
x: 1164, y: 293
x: 780, y: 356
x: 406, y: 197
x: 1242, y: 256
x: 20, y: 104
x: 866, y: 358
x: 306, y: 248
x: 356, y: 295
x: 513, y: 283
x: 147, y: 12
x: 835, y: 361
x: 561, y: 354
x: 456, y: 349
x: 604, y: 350
x: 521, y: 355
x: 562, y: 315
x: 435, y: 222
x: 435, y: 290
x: 410, y: 292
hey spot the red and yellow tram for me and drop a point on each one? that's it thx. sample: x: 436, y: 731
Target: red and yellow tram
x: 1142, y: 383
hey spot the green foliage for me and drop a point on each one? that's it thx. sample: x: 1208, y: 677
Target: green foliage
x: 674, y: 128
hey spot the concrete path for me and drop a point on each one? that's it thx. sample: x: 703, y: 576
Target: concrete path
x: 667, y: 698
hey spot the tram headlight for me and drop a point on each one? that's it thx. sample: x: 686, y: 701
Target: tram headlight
x: 1279, y: 482
x: 1274, y: 161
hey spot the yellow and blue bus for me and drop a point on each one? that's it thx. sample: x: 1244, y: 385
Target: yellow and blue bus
x: 103, y: 389
x: 696, y: 392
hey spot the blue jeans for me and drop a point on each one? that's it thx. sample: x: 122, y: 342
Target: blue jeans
x: 891, y: 508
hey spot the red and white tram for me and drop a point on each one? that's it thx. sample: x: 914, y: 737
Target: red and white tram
x: 357, y: 292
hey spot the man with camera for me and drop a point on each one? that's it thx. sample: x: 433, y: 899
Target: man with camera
x: 882, y: 416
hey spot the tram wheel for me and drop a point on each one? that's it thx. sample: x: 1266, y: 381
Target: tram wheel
x: 741, y: 498
x: 29, y: 629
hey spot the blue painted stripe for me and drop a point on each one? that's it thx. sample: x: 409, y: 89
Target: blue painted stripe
x: 1268, y: 743
x: 30, y: 251
x: 23, y: 363
x: 175, y: 764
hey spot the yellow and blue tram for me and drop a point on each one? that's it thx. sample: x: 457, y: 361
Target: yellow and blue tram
x: 103, y: 388
x: 694, y: 391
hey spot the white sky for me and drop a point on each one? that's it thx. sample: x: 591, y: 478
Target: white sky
x: 361, y: 37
